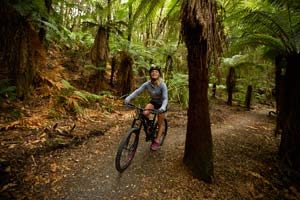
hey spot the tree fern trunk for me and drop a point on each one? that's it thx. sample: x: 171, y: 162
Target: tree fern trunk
x: 290, y: 115
x: 230, y: 84
x: 279, y: 90
x: 21, y: 52
x: 248, y: 97
x: 214, y: 90
x: 125, y: 73
x: 113, y: 69
x: 168, y: 67
x: 130, y: 23
x: 197, y: 23
x: 99, y: 56
x: 198, y: 146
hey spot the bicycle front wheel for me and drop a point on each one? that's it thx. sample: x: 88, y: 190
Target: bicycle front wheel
x: 127, y: 149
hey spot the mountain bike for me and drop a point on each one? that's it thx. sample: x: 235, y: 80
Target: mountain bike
x: 129, y: 143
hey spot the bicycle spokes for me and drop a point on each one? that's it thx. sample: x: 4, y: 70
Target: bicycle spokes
x: 127, y: 149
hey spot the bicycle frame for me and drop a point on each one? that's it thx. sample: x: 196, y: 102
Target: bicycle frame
x: 143, y: 121
x: 129, y: 143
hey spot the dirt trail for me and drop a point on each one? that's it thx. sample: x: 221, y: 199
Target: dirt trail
x: 245, y: 164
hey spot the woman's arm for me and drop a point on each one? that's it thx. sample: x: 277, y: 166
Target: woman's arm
x: 164, y: 97
x: 136, y: 92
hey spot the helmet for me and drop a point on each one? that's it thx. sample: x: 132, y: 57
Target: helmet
x: 154, y: 67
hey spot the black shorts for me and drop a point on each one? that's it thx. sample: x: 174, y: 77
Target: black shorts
x: 156, y: 104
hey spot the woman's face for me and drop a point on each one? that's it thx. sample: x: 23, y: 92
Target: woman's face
x: 154, y: 74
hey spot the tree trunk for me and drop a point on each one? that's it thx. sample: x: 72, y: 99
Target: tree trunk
x: 21, y: 52
x: 43, y: 31
x: 290, y: 115
x: 169, y: 66
x: 125, y: 73
x: 248, y: 97
x: 279, y: 90
x: 113, y: 69
x: 214, y: 90
x: 130, y: 23
x: 198, y: 146
x: 99, y: 56
x: 230, y: 84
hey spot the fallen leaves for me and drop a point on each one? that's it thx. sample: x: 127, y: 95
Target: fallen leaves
x: 7, y: 186
x: 53, y: 167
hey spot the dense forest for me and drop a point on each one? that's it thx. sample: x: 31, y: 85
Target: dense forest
x: 66, y: 64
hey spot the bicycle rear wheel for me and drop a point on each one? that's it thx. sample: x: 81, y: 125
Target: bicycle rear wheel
x: 164, y: 131
x: 127, y: 149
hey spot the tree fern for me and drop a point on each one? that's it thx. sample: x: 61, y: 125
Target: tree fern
x: 255, y: 40
x: 282, y: 23
x: 295, y: 4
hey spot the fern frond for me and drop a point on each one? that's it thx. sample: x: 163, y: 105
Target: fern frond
x: 255, y: 40
x: 263, y: 22
x: 67, y: 85
x: 294, y: 4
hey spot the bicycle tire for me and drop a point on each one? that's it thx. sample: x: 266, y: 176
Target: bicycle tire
x: 127, y: 149
x: 164, y: 133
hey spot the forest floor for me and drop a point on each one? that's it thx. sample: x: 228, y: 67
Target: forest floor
x: 245, y: 159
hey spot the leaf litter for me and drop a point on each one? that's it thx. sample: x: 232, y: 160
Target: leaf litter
x: 245, y: 159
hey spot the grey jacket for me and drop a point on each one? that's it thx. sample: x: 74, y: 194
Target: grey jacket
x: 157, y: 93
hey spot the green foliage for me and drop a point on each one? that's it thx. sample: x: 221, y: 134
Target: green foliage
x: 62, y: 35
x: 143, y: 56
x: 15, y: 114
x: 87, y: 97
x: 71, y: 100
x: 178, y: 89
x: 257, y: 32
x: 33, y: 8
x: 274, y: 25
x: 67, y: 85
x: 53, y: 113
x: 142, y: 99
x: 7, y: 89
x: 105, y: 94
x: 251, y: 69
x: 155, y: 26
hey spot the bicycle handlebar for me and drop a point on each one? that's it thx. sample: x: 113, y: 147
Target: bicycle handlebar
x: 153, y: 111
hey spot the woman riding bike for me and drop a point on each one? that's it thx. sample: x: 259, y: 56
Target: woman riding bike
x: 158, y: 92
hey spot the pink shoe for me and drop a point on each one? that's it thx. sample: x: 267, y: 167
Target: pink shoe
x: 155, y: 145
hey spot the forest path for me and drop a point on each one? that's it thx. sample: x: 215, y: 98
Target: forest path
x: 244, y: 160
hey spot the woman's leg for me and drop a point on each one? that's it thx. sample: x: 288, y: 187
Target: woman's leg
x: 147, y: 113
x: 160, y: 120
x: 148, y: 109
